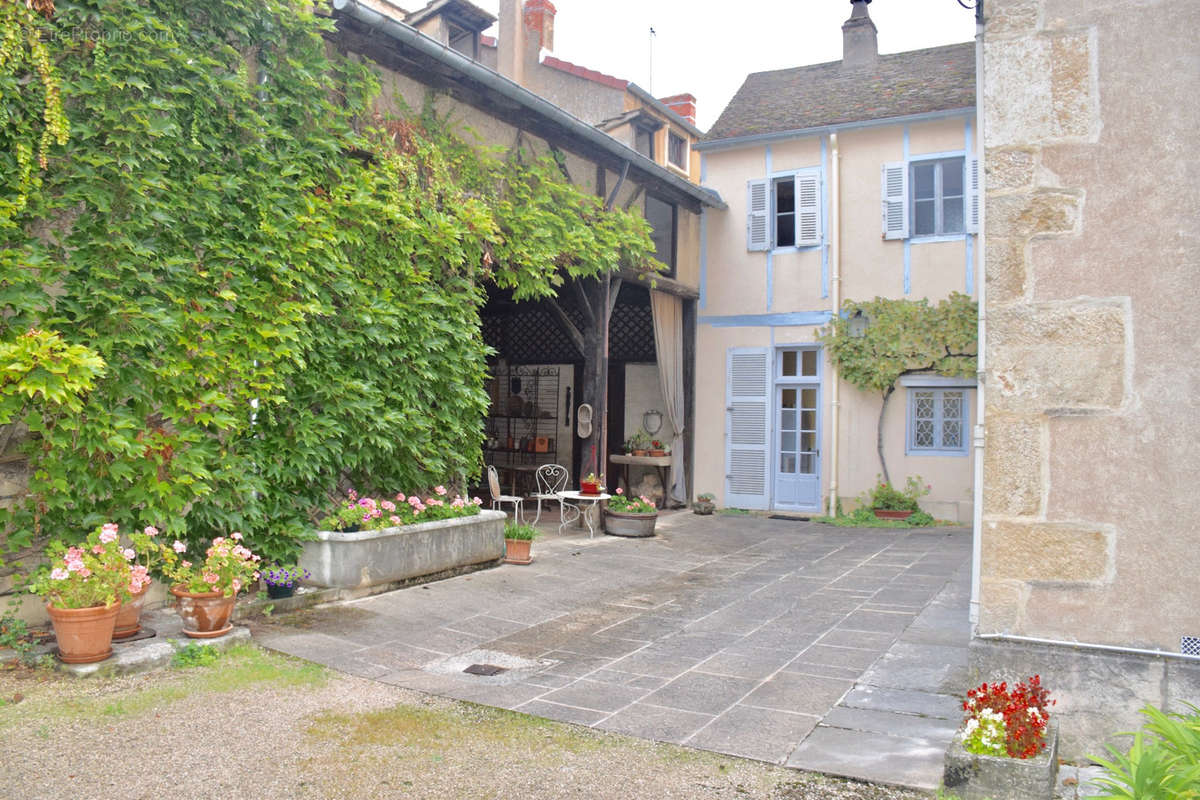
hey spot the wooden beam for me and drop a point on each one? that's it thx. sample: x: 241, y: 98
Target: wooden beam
x: 661, y: 283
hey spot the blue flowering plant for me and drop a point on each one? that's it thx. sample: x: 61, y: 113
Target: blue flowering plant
x: 284, y: 576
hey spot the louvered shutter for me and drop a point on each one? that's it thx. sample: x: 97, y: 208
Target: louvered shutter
x: 972, y: 184
x: 808, y: 210
x: 758, y: 212
x: 747, y: 435
x: 894, y: 191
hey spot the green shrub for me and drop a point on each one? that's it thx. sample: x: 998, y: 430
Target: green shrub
x: 1163, y: 760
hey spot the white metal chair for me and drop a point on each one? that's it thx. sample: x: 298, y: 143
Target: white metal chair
x: 551, y: 479
x: 498, y: 499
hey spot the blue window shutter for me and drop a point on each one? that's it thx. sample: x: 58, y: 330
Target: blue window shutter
x: 758, y: 213
x: 747, y: 432
x: 894, y: 195
x: 808, y: 210
x: 973, y: 200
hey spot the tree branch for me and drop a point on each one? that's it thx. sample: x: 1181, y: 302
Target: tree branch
x: 561, y: 160
x: 568, y: 326
x: 613, y: 290
x: 585, y: 305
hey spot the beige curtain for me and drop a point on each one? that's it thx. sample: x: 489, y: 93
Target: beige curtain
x: 668, y: 342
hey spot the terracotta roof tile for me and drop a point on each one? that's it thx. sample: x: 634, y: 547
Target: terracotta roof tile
x: 584, y: 72
x: 896, y: 85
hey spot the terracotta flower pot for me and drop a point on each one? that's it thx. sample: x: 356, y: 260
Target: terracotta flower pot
x: 205, y: 615
x: 657, y: 453
x: 516, y: 551
x: 129, y: 618
x: 888, y: 513
x: 639, y: 453
x: 84, y: 634
x: 623, y: 523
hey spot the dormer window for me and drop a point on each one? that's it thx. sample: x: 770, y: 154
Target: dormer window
x: 677, y: 150
x: 464, y: 41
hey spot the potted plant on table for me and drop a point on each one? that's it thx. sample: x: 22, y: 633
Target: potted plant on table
x: 82, y: 587
x: 630, y: 516
x: 888, y: 502
x: 282, y: 580
x: 1007, y: 745
x: 658, y: 448
x: 207, y: 592
x: 591, y: 483
x: 638, y: 444
x: 518, y: 539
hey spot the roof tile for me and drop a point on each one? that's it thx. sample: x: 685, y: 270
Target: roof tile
x: 896, y: 85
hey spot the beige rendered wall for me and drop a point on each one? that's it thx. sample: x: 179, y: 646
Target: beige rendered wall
x: 738, y: 284
x: 1092, y: 257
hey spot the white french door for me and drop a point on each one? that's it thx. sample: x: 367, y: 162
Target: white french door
x: 797, y: 430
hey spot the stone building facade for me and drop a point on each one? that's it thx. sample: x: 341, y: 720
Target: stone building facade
x: 1087, y: 543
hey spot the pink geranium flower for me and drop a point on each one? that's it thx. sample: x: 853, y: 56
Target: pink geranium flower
x: 439, y: 490
x: 150, y: 530
x: 59, y: 574
x: 179, y: 547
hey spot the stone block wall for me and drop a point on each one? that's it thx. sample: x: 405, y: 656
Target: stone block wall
x: 1092, y: 256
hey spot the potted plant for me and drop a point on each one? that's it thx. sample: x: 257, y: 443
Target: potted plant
x: 888, y: 502
x: 630, y: 516
x: 591, y: 483
x: 518, y: 538
x: 82, y: 588
x: 705, y: 504
x: 658, y: 448
x: 207, y: 592
x: 1007, y: 745
x: 147, y: 555
x: 638, y: 444
x: 282, y: 580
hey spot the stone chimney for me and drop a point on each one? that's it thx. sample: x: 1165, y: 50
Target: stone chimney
x: 860, y: 44
x: 524, y: 30
x: 682, y: 104
x: 539, y: 23
x: 510, y: 50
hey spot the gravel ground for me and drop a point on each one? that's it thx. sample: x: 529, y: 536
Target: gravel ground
x: 259, y: 725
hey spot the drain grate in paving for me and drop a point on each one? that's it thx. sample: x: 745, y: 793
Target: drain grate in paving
x: 790, y: 518
x: 484, y: 669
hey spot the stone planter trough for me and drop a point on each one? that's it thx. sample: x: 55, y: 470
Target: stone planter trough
x: 622, y: 523
x: 974, y: 777
x: 356, y: 559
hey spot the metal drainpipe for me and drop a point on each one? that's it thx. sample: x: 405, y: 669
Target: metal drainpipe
x: 1107, y: 648
x: 835, y: 256
x: 980, y: 375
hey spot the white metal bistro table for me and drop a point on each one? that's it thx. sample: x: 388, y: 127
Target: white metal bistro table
x: 576, y: 501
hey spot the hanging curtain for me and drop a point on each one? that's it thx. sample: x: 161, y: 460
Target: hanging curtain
x: 668, y: 342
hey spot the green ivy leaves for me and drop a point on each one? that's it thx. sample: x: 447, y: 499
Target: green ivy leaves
x: 253, y: 318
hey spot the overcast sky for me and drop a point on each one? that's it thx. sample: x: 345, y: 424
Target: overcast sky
x: 708, y: 48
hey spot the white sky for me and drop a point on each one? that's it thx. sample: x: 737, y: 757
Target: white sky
x: 708, y: 48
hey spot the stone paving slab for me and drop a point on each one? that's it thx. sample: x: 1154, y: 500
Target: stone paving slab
x: 832, y: 649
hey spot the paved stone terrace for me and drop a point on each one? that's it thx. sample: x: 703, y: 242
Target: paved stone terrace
x: 830, y: 649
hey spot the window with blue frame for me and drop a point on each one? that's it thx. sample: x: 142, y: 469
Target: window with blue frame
x: 937, y: 421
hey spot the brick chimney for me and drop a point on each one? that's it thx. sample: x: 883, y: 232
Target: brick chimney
x: 682, y: 104
x: 539, y: 23
x: 860, y: 43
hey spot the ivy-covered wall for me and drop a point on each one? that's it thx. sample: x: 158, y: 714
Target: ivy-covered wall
x: 282, y: 286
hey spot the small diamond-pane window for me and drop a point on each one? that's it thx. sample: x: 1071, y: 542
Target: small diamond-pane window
x: 936, y: 419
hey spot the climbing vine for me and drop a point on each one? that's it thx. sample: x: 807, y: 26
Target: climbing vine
x: 874, y: 342
x: 282, y: 289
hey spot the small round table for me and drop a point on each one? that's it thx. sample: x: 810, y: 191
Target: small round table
x: 575, y: 501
